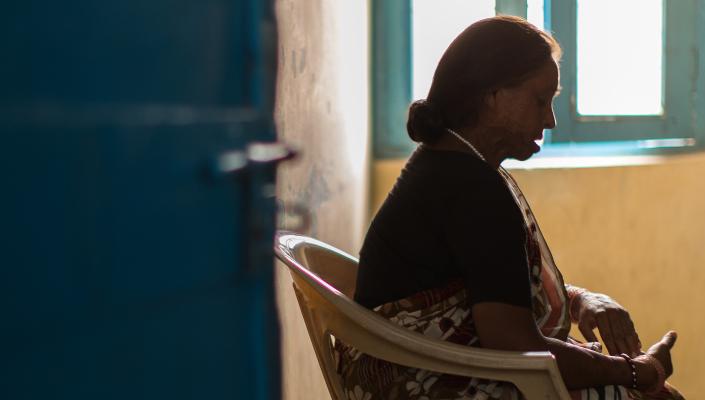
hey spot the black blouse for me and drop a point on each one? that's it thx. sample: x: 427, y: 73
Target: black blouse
x: 449, y: 216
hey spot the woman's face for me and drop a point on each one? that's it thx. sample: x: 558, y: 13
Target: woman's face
x: 520, y: 114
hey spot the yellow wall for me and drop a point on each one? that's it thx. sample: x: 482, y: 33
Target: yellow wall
x: 636, y: 233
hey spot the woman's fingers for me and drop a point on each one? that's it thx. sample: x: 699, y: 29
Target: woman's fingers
x: 605, y: 328
x: 633, y: 340
x: 613, y: 322
x: 669, y: 339
x: 586, y: 326
x: 665, y: 344
x: 625, y: 333
x: 662, y: 351
x: 619, y: 334
x: 633, y: 344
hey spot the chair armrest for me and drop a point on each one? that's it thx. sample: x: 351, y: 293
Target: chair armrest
x: 536, y: 374
x: 438, y: 350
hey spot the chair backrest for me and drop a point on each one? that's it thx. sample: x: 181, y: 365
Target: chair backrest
x: 315, y: 264
x: 331, y: 265
x: 324, y: 282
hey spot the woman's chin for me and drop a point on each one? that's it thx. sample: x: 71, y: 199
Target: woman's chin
x: 529, y: 151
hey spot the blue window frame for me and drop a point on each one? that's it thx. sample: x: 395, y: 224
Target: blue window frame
x: 681, y: 82
x: 679, y: 127
x: 391, y: 77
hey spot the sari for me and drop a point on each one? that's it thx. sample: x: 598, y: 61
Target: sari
x: 445, y: 314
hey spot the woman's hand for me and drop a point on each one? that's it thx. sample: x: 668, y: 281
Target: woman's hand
x: 647, y: 376
x: 594, y: 310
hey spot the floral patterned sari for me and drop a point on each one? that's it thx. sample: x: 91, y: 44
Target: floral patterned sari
x: 445, y: 314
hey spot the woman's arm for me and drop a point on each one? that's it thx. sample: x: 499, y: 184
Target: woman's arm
x: 581, y: 368
x: 506, y: 327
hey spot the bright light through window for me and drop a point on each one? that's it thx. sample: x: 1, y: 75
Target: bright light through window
x: 620, y: 52
x: 435, y: 24
x: 534, y: 12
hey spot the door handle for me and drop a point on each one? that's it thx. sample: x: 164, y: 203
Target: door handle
x: 256, y: 154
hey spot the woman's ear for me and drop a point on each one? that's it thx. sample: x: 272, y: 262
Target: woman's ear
x: 501, y: 103
x: 492, y: 106
x: 490, y: 100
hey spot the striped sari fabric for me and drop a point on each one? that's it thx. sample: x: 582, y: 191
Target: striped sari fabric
x: 444, y: 314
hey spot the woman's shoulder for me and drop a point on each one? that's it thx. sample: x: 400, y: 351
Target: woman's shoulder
x: 433, y: 179
x: 448, y: 163
x: 454, y: 170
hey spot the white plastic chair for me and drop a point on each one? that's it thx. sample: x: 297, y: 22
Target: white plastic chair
x: 324, y: 282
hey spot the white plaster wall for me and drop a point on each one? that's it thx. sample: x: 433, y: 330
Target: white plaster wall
x: 322, y: 109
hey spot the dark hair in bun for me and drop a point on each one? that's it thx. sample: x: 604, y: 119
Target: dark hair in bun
x: 425, y: 122
x: 488, y: 55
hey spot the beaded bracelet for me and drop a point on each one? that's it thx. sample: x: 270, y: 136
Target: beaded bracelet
x: 633, y: 366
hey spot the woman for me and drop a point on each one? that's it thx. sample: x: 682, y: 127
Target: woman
x: 455, y: 252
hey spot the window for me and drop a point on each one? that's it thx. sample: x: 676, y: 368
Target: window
x: 432, y: 30
x: 630, y: 70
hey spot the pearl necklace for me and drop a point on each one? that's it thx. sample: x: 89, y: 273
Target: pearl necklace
x: 462, y: 139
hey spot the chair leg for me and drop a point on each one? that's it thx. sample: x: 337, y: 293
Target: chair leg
x: 319, y: 337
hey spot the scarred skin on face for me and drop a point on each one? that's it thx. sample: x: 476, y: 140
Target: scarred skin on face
x: 515, y: 117
x: 512, y: 119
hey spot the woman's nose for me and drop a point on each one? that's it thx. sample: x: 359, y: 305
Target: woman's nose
x: 550, y: 121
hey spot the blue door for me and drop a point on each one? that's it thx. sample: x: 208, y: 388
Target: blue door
x: 137, y: 204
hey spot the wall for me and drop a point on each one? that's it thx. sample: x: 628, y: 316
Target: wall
x: 636, y: 233
x: 322, y: 109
